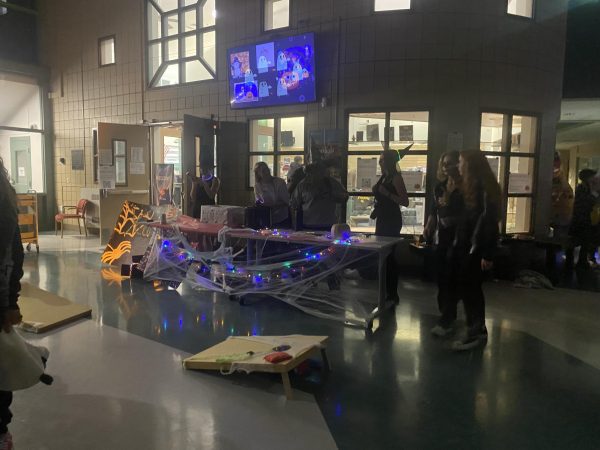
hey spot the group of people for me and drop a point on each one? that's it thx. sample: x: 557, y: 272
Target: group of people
x: 576, y: 216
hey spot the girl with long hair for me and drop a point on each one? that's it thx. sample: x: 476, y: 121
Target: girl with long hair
x: 318, y: 196
x: 440, y: 230
x: 390, y: 195
x: 11, y: 271
x: 475, y: 241
x: 272, y: 192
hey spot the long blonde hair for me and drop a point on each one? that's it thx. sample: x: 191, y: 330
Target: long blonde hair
x: 477, y: 175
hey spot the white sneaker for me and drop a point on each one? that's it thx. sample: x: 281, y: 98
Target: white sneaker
x: 441, y: 331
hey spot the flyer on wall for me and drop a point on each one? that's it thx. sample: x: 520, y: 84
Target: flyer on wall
x: 327, y: 146
x: 162, y: 184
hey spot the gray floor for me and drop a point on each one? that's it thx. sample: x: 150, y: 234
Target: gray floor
x: 120, y: 384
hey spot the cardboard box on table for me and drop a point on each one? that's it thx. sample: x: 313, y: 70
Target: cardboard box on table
x: 232, y: 216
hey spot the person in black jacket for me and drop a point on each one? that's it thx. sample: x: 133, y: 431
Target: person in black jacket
x: 475, y: 241
x: 440, y: 231
x: 11, y: 271
x: 582, y: 230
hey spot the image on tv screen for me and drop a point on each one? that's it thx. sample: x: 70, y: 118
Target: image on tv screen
x: 278, y: 72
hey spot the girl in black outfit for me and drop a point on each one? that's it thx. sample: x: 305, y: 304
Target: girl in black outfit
x: 475, y: 241
x: 440, y: 231
x: 11, y: 271
x: 204, y: 189
x: 390, y: 195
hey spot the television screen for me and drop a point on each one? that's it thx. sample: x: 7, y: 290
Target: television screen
x: 278, y: 72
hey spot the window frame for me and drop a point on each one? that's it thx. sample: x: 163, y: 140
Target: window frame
x: 263, y: 11
x: 388, y: 112
x: 276, y: 153
x: 507, y: 153
x: 180, y: 36
x: 532, y: 18
x: 125, y: 157
x: 391, y: 11
x: 102, y: 39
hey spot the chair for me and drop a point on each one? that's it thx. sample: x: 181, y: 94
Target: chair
x: 79, y: 214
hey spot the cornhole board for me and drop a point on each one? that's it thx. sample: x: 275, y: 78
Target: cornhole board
x: 302, y: 348
x: 43, y: 311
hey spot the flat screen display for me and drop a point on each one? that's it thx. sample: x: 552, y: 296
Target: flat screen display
x: 277, y: 72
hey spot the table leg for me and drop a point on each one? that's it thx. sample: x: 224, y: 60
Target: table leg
x: 326, y: 364
x: 382, y: 305
x: 287, y: 387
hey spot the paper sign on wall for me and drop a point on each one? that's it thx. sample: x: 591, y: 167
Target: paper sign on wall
x: 413, y: 180
x: 455, y: 142
x: 366, y: 173
x: 105, y: 157
x: 77, y: 160
x: 137, y: 168
x: 137, y: 154
x: 519, y: 183
x: 107, y: 177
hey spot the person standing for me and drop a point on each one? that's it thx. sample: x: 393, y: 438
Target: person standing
x: 390, y: 195
x: 440, y: 231
x: 318, y: 196
x: 204, y: 189
x: 581, y: 230
x: 476, y: 241
x: 272, y: 192
x: 11, y: 271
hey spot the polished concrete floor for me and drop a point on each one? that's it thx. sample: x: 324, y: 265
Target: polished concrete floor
x: 120, y: 386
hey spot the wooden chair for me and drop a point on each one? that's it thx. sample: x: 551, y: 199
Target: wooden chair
x: 79, y: 214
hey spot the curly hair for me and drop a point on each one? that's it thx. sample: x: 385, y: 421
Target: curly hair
x: 477, y: 175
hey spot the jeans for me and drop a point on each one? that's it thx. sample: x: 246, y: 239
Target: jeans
x: 470, y: 278
x: 447, y: 281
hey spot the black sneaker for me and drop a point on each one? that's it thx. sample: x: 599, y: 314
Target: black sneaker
x: 473, y: 339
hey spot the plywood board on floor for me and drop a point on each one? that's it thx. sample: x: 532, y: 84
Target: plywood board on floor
x: 43, y: 311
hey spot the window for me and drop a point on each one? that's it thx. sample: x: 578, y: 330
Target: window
x: 522, y: 8
x: 120, y: 159
x: 278, y: 142
x: 391, y: 5
x: 510, y: 144
x: 277, y: 14
x: 181, y: 41
x: 368, y: 135
x: 106, y: 51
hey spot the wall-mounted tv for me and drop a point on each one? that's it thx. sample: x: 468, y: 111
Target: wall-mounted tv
x: 277, y: 72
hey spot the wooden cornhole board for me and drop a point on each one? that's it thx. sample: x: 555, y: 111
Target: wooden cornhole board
x: 302, y: 348
x: 43, y: 311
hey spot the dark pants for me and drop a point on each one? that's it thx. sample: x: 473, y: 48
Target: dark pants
x: 470, y: 279
x: 5, y: 414
x: 390, y: 227
x: 447, y: 280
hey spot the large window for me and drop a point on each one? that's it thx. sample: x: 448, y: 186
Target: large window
x: 510, y: 144
x: 277, y: 14
x: 368, y: 135
x: 391, y: 5
x: 22, y: 132
x: 522, y: 8
x: 277, y: 141
x: 181, y: 41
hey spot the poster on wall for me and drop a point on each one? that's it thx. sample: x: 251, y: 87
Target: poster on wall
x: 105, y: 157
x: 519, y: 183
x: 162, y: 184
x: 406, y: 133
x: 366, y: 173
x: 77, y: 162
x: 107, y: 177
x: 413, y: 179
x: 326, y: 146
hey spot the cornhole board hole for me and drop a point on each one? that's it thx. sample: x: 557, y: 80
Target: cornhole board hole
x: 222, y: 356
x: 43, y: 311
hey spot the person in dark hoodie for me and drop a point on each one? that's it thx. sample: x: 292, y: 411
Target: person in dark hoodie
x: 11, y: 271
x: 582, y: 229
